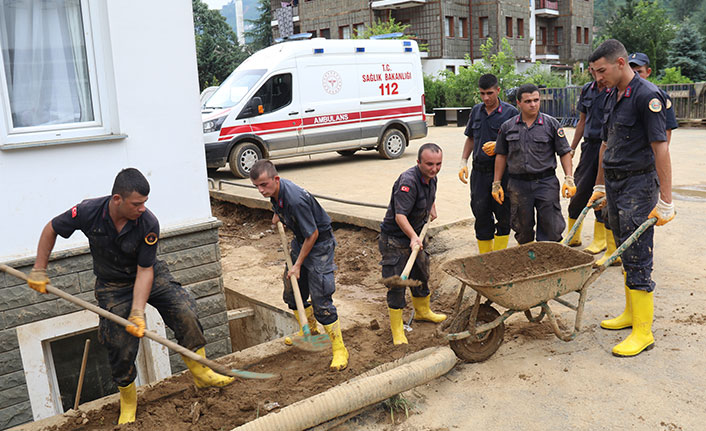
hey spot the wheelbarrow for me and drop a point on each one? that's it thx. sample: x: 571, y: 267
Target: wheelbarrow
x: 519, y: 279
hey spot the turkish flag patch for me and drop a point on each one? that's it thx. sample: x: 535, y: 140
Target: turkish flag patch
x: 74, y: 212
x: 404, y: 189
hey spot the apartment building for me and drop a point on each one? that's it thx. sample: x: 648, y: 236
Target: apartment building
x: 555, y: 32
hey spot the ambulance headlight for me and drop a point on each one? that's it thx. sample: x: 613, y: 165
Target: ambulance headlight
x: 213, y: 125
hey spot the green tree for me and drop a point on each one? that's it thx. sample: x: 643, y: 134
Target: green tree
x: 217, y: 48
x: 672, y: 75
x: 686, y: 52
x: 389, y: 26
x: 681, y: 9
x: 261, y: 31
x: 642, y: 26
x: 578, y: 77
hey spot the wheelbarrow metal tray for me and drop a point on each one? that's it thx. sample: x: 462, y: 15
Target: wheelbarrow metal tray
x: 525, y: 276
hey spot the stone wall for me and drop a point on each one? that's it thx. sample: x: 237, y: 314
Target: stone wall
x: 193, y: 257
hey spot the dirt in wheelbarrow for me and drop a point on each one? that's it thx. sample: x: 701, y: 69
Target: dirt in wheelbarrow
x: 175, y: 404
x: 517, y: 263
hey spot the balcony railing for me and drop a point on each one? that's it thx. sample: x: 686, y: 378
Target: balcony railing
x: 547, y: 4
x: 550, y: 49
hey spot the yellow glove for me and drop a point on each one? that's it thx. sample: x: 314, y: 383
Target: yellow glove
x: 498, y: 193
x: 463, y: 171
x: 664, y: 212
x: 489, y: 148
x: 38, y: 280
x: 568, y: 189
x: 598, y: 192
x: 137, y: 318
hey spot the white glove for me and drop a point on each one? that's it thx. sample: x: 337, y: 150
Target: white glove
x: 663, y: 211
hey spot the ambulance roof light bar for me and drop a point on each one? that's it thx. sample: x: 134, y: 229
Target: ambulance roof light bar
x: 387, y: 36
x: 294, y: 37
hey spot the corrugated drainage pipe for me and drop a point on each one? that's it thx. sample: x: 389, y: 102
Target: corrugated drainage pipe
x: 359, y: 392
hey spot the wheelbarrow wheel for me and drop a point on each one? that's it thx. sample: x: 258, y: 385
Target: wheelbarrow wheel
x: 477, y: 348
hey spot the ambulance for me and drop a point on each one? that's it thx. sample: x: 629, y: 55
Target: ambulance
x: 315, y: 96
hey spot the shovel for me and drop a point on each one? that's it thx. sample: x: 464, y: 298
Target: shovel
x: 312, y: 343
x: 148, y: 334
x: 402, y: 280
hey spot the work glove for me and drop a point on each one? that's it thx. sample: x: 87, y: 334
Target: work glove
x: 489, y: 148
x: 137, y: 318
x: 38, y: 280
x: 598, y: 192
x: 498, y: 193
x: 463, y: 171
x: 568, y: 189
x: 664, y: 212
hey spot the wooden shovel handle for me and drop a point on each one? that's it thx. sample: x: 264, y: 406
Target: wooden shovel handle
x: 303, y: 323
x: 415, y: 251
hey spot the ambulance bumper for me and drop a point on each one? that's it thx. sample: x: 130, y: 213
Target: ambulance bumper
x: 216, y: 154
x: 417, y: 129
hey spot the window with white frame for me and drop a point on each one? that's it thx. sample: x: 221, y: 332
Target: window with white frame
x: 52, y: 74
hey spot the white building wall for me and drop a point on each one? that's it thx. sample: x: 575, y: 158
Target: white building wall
x: 157, y: 98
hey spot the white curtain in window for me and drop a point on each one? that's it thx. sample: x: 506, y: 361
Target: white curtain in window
x: 44, y: 55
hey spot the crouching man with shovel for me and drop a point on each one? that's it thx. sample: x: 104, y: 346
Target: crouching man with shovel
x: 402, y: 236
x: 123, y: 235
x: 312, y: 251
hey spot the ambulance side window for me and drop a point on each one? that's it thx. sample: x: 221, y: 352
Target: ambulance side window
x: 276, y: 93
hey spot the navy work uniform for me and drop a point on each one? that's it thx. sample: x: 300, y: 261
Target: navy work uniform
x: 115, y: 259
x: 303, y: 215
x: 412, y: 197
x: 632, y: 186
x: 591, y: 103
x: 483, y: 127
x: 531, y: 164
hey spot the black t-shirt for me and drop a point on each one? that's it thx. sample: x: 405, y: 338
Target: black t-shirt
x: 411, y: 197
x: 115, y: 255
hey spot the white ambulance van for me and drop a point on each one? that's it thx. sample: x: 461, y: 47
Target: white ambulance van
x: 313, y: 96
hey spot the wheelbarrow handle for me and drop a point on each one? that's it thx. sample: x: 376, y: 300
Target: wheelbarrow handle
x: 628, y: 242
x: 579, y: 220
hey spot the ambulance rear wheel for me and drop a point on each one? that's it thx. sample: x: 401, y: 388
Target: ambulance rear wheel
x: 242, y: 157
x: 393, y: 144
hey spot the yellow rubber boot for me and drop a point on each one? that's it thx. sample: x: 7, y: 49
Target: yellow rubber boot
x: 500, y: 242
x: 576, y: 240
x: 423, y: 312
x: 641, y: 337
x: 397, y: 326
x: 610, y: 248
x: 622, y: 321
x: 485, y: 246
x: 128, y: 403
x: 205, y: 377
x: 598, y: 244
x: 313, y: 327
x: 340, y: 353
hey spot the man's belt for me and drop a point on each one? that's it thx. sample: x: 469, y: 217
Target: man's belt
x: 325, y: 235
x: 618, y: 174
x: 487, y: 168
x: 593, y: 141
x: 532, y: 177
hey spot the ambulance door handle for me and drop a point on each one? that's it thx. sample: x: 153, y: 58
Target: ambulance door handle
x: 310, y: 110
x: 294, y: 113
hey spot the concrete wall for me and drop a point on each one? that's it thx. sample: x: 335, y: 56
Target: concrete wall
x: 192, y: 255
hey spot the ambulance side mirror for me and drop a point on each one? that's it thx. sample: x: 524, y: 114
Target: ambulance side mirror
x: 257, y: 105
x: 252, y: 108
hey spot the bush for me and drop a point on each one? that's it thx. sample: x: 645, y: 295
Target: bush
x: 672, y: 75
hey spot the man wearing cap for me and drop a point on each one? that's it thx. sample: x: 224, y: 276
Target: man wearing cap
x: 635, y: 176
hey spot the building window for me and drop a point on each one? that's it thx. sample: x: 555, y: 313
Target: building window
x: 451, y: 68
x: 520, y: 28
x: 585, y: 35
x: 54, y: 41
x: 559, y: 35
x: 483, y: 26
x: 313, y: 33
x: 508, y: 26
x: 449, y: 26
x: 578, y: 34
x: 463, y: 27
x: 359, y: 29
x: 344, y: 32
x: 325, y: 33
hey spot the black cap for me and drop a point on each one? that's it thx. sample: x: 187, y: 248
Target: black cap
x: 638, y: 59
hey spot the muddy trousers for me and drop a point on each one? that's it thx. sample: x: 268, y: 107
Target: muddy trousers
x: 585, y: 177
x: 630, y: 201
x: 395, y: 251
x: 176, y: 306
x: 491, y: 217
x: 316, y: 280
x: 541, y: 195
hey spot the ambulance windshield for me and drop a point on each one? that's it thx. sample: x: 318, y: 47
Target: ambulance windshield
x: 234, y: 88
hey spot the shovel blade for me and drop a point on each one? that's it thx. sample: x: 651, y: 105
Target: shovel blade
x: 250, y: 374
x: 312, y: 343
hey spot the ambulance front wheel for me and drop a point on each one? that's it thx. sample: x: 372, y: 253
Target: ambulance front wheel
x: 393, y: 144
x: 242, y: 157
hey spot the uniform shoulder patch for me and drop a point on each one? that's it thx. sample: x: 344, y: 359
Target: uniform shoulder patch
x: 655, y: 105
x: 561, y: 132
x: 151, y: 238
x: 669, y: 103
x: 404, y: 189
x: 74, y: 211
